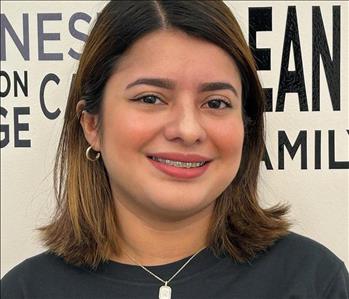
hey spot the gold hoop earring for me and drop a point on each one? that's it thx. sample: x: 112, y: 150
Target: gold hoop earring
x: 88, y: 154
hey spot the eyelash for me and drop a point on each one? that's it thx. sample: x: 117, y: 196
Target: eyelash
x: 228, y: 105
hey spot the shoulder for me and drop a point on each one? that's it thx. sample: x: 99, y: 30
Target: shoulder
x: 303, y: 260
x: 35, y: 265
x: 301, y: 251
x: 35, y: 273
x: 298, y: 247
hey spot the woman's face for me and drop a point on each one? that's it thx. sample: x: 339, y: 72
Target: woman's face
x: 188, y: 95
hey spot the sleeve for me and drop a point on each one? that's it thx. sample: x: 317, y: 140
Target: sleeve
x: 339, y: 285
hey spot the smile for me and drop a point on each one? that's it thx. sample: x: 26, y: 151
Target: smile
x: 179, y: 169
x: 179, y: 164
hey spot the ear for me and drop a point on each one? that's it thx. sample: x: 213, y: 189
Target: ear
x: 89, y: 124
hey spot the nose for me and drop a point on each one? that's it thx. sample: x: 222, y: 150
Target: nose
x: 184, y: 124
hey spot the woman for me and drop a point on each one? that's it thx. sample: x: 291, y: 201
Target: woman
x: 156, y: 171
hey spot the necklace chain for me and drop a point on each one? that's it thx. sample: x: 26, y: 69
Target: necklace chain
x: 174, y: 275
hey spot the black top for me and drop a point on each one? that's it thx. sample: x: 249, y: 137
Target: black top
x: 294, y: 267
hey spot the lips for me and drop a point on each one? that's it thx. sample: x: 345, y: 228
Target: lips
x: 180, y: 157
x: 178, y: 172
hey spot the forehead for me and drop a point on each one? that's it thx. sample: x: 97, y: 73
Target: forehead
x: 177, y: 55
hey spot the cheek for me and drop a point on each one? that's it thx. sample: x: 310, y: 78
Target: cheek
x: 126, y: 130
x: 229, y: 139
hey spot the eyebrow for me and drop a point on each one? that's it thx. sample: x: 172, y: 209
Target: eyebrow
x: 168, y: 84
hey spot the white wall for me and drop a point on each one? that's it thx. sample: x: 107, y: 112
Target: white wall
x: 319, y: 197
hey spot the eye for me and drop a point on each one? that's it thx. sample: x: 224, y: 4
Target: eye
x: 217, y: 104
x: 148, y: 99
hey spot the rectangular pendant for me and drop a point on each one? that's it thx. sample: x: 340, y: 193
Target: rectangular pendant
x: 165, y: 292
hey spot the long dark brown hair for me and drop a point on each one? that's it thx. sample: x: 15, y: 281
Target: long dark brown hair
x: 83, y: 229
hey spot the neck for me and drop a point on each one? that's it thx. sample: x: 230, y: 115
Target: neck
x: 151, y: 241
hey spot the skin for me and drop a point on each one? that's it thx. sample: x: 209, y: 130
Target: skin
x: 161, y: 218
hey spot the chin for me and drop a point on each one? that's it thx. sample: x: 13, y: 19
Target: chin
x: 180, y: 206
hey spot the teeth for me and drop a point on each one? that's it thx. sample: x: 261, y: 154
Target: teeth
x: 179, y: 163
